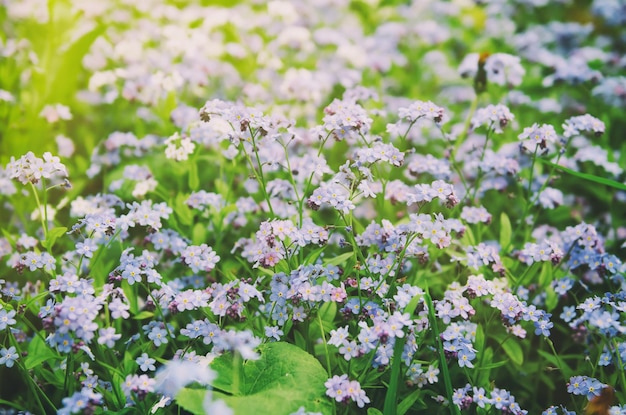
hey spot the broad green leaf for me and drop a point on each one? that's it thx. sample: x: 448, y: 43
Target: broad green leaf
x: 223, y: 365
x: 53, y: 235
x: 514, y: 351
x: 39, y: 352
x: 284, y: 379
x: 505, y: 230
x: 373, y: 411
x: 339, y: 259
x: 67, y: 73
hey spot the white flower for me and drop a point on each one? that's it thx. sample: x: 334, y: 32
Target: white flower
x: 165, y: 400
x: 176, y: 374
x: 179, y: 148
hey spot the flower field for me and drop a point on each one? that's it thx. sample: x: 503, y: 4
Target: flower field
x: 313, y: 207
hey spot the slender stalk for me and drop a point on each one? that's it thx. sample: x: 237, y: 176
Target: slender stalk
x: 480, y: 175
x: 259, y: 176
x: 461, y: 138
x: 620, y: 364
x: 454, y: 410
x: 42, y: 215
x: 328, y: 366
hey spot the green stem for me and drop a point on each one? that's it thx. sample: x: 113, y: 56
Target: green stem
x: 454, y: 410
x: 42, y: 215
x: 259, y: 176
x: 328, y: 367
x: 620, y: 365
x: 461, y: 138
x: 481, y: 173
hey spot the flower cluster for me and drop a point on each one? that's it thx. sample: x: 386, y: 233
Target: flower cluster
x: 31, y: 169
x: 342, y: 389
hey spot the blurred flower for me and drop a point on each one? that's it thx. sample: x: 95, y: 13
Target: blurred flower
x: 176, y: 374
x: 56, y: 112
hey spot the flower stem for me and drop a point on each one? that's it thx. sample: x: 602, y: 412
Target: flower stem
x: 454, y: 410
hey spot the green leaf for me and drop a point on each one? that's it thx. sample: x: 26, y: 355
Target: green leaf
x: 407, y: 403
x: 125, y: 411
x: 328, y: 311
x: 557, y: 362
x: 39, y: 352
x: 390, y: 405
x: 12, y: 404
x: 192, y: 400
x: 194, y: 180
x: 339, y: 259
x: 494, y: 365
x: 586, y: 176
x: 222, y: 187
x: 53, y: 235
x: 184, y: 214
x: 144, y: 315
x: 479, y: 342
x: 280, y: 382
x: 373, y: 411
x: 505, y: 230
x: 299, y: 339
x: 198, y: 234
x: 468, y: 237
x: 552, y: 298
x: 67, y: 73
x: 484, y: 374
x: 313, y: 255
x: 514, y: 351
x: 546, y: 274
x: 223, y: 365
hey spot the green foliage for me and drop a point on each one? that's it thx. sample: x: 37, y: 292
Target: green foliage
x: 281, y: 381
